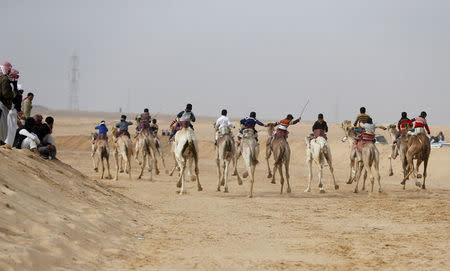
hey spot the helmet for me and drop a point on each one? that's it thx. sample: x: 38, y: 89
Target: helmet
x: 423, y: 114
x: 362, y: 110
x: 253, y: 114
x: 320, y: 116
x: 224, y: 112
x: 290, y: 117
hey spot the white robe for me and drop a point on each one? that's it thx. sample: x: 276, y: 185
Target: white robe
x: 4, y: 122
x: 12, y: 126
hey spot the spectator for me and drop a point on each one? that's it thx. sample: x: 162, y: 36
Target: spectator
x: 6, y: 96
x: 25, y: 138
x: 27, y: 105
x: 12, y: 114
x: 44, y: 133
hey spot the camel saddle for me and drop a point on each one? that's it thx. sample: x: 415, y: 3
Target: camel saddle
x: 281, y: 133
x: 121, y: 133
x: 102, y: 137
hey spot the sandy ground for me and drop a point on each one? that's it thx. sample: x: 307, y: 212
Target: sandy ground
x: 209, y: 230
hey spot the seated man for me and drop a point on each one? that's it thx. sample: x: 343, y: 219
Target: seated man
x: 48, y: 145
x: 145, y: 120
x: 123, y: 126
x: 249, y: 123
x: 402, y: 126
x: 369, y: 131
x: 102, y: 130
x: 419, y: 124
x: 361, y: 119
x: 222, y: 121
x: 320, y: 127
x: 25, y: 137
x: 154, y: 127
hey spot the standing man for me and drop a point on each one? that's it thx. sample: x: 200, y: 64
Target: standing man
x: 6, y: 96
x: 27, y: 105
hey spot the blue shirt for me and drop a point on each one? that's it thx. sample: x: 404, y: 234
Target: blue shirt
x: 102, y: 129
x: 249, y: 122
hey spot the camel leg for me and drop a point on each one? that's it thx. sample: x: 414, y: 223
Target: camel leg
x: 116, y: 156
x: 409, y: 159
x: 275, y: 168
x: 330, y: 164
x: 136, y: 155
x: 309, y: 164
x: 236, y: 173
x: 127, y: 161
x: 199, y: 186
x: 107, y: 164
x: 364, y: 179
x: 358, y: 176
x: 320, y: 166
x: 425, y: 164
x: 369, y: 170
x: 268, y: 153
x: 219, y: 173
x: 286, y: 166
x: 252, y: 179
x: 391, y: 171
x: 95, y: 162
x: 121, y: 163
x: 377, y: 175
x: 144, y: 157
x: 280, y: 170
x: 103, y: 168
x: 419, y: 162
x: 181, y: 178
x: 227, y: 164
x: 352, y: 165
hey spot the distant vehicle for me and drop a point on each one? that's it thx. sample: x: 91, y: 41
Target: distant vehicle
x: 379, y: 139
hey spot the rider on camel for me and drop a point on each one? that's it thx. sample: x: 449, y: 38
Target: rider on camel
x: 222, y: 121
x: 183, y: 118
x: 249, y: 123
x: 320, y: 127
x: 102, y: 131
x: 154, y: 127
x: 145, y: 118
x: 362, y: 118
x: 419, y: 124
x: 123, y: 126
x: 402, y: 126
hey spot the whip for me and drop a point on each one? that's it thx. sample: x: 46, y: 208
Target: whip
x: 304, y: 107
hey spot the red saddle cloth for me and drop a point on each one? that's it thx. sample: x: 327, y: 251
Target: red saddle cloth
x: 319, y: 132
x: 364, y: 139
x: 184, y: 124
x: 122, y: 133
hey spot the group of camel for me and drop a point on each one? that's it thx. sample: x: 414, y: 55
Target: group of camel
x: 364, y: 156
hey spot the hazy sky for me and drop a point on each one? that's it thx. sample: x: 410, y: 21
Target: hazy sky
x: 267, y: 56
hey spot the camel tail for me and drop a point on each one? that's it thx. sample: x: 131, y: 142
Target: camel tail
x: 190, y: 144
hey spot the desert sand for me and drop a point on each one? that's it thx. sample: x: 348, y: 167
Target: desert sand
x: 58, y: 215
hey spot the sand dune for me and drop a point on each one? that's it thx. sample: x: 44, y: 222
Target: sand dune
x: 63, y: 218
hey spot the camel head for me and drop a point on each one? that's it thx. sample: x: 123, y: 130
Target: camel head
x: 114, y: 131
x: 347, y: 127
x: 271, y: 127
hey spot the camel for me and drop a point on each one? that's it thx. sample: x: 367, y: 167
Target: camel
x: 143, y: 146
x: 350, y: 135
x: 317, y: 150
x: 100, y: 152
x: 225, y: 153
x: 282, y: 156
x: 249, y: 148
x: 400, y: 149
x: 270, y: 130
x: 123, y: 150
x: 392, y: 129
x: 367, y: 155
x: 419, y: 148
x: 186, y: 149
x: 155, y: 147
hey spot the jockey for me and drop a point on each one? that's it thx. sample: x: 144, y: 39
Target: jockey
x: 419, y: 124
x: 320, y: 127
x: 369, y: 131
x: 123, y: 126
x: 250, y: 123
x: 284, y: 123
x: 145, y: 118
x: 222, y: 121
x: 362, y: 118
x: 183, y: 118
x: 102, y: 130
x: 154, y: 127
x: 402, y: 126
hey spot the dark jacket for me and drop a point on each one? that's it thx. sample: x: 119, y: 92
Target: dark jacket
x: 42, y: 130
x: 17, y: 101
x: 322, y: 126
x: 6, y: 91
